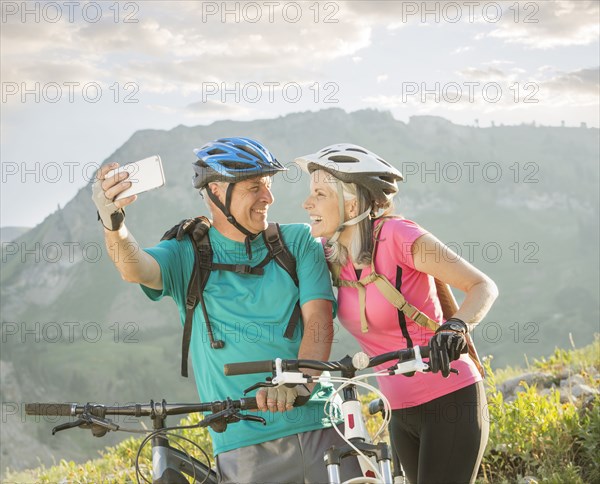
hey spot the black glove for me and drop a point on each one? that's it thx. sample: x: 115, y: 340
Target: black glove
x: 112, y: 218
x: 447, y: 345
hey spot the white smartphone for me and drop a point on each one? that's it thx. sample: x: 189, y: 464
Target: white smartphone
x: 144, y: 175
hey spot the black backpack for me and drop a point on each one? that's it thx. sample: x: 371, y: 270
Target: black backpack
x: 197, y: 229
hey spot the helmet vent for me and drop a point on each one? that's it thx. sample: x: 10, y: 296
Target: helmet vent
x: 384, y: 162
x: 234, y: 165
x: 216, y: 151
x: 250, y: 151
x: 328, y: 152
x: 357, y: 150
x: 389, y: 179
x: 343, y: 159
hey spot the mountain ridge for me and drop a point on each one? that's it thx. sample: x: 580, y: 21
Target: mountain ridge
x: 528, y: 228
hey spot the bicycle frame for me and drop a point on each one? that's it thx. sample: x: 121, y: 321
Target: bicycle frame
x: 355, y: 430
x: 358, y: 438
x: 169, y: 464
x: 371, y: 457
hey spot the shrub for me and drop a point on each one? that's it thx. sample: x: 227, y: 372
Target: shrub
x: 538, y: 436
x: 534, y: 438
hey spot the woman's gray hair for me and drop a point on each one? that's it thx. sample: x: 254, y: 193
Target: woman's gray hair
x: 361, y: 244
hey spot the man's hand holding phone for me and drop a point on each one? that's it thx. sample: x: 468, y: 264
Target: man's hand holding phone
x: 116, y: 187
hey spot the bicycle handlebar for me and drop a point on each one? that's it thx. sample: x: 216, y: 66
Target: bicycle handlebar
x: 344, y: 364
x: 264, y: 366
x: 50, y: 409
x: 137, y: 409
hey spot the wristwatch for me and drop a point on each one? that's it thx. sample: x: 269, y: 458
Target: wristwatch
x: 457, y: 325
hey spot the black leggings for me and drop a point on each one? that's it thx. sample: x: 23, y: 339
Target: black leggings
x: 442, y: 441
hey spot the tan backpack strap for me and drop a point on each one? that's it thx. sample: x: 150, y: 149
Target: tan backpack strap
x: 447, y: 301
x: 449, y: 308
x: 376, y: 232
x: 474, y: 356
x: 396, y: 299
x: 335, y: 270
x: 362, y: 296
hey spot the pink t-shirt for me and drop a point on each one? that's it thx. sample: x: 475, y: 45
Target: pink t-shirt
x: 394, y: 259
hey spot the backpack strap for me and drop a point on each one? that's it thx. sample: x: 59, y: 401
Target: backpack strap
x: 396, y: 299
x: 284, y: 258
x: 387, y: 289
x: 449, y: 308
x: 197, y: 229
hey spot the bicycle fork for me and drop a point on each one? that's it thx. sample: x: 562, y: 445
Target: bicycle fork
x: 380, y: 452
x: 356, y: 432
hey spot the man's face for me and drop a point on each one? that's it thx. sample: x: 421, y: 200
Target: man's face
x: 250, y: 201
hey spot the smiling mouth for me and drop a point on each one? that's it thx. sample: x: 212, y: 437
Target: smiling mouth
x: 260, y: 211
x: 315, y: 219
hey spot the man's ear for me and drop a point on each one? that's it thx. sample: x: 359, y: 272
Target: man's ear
x: 215, y: 189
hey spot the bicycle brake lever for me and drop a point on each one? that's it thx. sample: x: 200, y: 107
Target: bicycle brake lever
x: 251, y: 418
x: 261, y: 384
x: 68, y: 425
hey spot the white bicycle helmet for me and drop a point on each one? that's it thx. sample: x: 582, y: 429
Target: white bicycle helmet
x: 355, y: 164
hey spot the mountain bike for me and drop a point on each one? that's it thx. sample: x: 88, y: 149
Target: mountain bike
x: 169, y: 464
x: 375, y: 459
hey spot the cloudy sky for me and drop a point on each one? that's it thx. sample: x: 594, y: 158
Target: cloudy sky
x: 79, y: 78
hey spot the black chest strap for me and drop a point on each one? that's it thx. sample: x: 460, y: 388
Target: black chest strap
x: 203, y: 266
x: 285, y: 259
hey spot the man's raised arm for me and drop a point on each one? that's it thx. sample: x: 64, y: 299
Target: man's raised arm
x: 134, y: 264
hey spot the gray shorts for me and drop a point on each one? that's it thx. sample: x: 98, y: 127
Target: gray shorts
x: 289, y: 460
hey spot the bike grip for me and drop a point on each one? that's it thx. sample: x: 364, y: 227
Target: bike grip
x: 250, y: 403
x: 248, y: 368
x: 49, y: 409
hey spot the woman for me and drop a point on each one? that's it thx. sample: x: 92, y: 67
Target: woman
x: 438, y: 429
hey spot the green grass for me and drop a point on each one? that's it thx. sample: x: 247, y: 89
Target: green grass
x: 533, y: 436
x: 540, y: 437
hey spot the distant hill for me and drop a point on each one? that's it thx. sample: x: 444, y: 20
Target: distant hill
x: 520, y: 202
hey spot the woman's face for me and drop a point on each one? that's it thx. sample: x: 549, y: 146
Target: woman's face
x: 322, y: 204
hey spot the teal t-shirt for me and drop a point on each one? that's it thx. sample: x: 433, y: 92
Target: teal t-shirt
x: 250, y: 314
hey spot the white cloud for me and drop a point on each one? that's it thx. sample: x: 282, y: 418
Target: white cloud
x: 487, y: 74
x: 545, y: 68
x: 215, y: 110
x: 545, y: 25
x: 174, y: 53
x: 580, y: 86
x: 162, y: 109
x: 518, y: 70
x: 502, y: 95
x: 497, y: 62
x: 463, y: 49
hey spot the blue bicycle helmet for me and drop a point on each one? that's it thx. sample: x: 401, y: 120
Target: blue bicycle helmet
x: 233, y: 160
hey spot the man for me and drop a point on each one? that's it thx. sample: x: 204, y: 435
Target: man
x: 248, y: 313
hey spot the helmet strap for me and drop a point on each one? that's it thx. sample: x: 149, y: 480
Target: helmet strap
x: 230, y: 218
x: 341, y: 207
